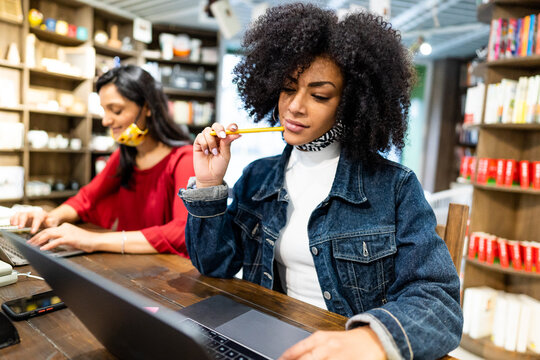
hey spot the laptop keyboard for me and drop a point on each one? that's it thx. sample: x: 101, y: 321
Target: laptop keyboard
x: 221, y: 347
x: 15, y: 255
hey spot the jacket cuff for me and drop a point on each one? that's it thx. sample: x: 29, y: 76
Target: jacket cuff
x: 382, y: 331
x: 206, y: 202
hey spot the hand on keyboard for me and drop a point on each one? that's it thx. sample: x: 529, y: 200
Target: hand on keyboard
x: 35, y: 219
x: 65, y: 234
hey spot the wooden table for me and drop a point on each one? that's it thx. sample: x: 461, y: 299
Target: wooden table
x: 167, y: 279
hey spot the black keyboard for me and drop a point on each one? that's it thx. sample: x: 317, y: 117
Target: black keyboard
x: 221, y: 347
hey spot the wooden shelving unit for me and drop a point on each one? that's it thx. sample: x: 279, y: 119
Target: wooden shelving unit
x: 69, y: 165
x: 55, y: 76
x: 7, y: 64
x: 508, y: 212
x: 532, y: 61
x: 487, y: 350
x: 18, y: 108
x: 189, y: 93
x: 66, y: 151
x: 498, y: 268
x: 205, y: 95
x: 57, y: 113
x: 111, y: 51
x: 50, y: 36
x: 180, y: 60
x: 54, y: 195
x: 511, y: 189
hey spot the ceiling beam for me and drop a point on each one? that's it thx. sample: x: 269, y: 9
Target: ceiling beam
x: 442, y: 6
x: 460, y: 40
x: 399, y: 21
x: 418, y: 13
x: 103, y: 6
x: 122, y: 4
x: 165, y: 9
x: 447, y: 30
x: 174, y: 15
x: 141, y: 7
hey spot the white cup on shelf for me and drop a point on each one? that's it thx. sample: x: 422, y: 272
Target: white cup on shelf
x: 75, y: 144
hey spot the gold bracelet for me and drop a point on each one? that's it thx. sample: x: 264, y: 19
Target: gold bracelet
x: 124, y: 237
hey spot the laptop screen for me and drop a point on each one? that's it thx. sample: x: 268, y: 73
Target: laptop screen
x: 115, y: 315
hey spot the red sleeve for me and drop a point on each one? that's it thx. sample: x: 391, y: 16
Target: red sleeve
x: 170, y: 238
x: 104, y: 183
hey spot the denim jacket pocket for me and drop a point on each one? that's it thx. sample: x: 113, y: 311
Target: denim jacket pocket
x: 251, y: 235
x: 365, y: 265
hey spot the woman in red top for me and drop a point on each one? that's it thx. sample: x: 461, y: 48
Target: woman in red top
x: 134, y: 197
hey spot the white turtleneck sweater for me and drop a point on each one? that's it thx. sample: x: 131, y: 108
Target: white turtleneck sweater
x: 308, y: 179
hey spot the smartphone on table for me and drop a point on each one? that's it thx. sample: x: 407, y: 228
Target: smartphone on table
x: 37, y: 304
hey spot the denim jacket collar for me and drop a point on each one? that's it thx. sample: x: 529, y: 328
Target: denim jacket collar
x: 347, y: 185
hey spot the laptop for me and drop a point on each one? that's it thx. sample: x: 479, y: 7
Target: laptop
x: 10, y: 254
x: 123, y: 321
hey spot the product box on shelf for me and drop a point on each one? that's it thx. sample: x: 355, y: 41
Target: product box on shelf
x: 11, y: 182
x: 12, y: 135
x: 493, y: 250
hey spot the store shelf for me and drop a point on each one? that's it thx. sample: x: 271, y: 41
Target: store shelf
x: 50, y: 36
x: 11, y: 22
x: 54, y: 75
x: 532, y: 61
x: 11, y: 200
x: 535, y: 127
x: 54, y: 195
x: 7, y: 64
x: 67, y: 163
x: 102, y: 152
x: 469, y: 145
x: 513, y: 189
x: 189, y: 93
x: 484, y: 12
x: 111, y: 51
x: 500, y: 269
x: 12, y: 108
x: 67, y: 151
x: 57, y: 113
x: 180, y: 60
x: 486, y: 349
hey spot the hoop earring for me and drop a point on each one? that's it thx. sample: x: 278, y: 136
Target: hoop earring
x: 274, y: 117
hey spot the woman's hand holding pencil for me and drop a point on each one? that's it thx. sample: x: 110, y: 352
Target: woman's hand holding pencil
x: 212, y: 152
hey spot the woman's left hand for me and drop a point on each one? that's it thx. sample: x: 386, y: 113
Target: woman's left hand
x: 65, y: 234
x: 359, y: 343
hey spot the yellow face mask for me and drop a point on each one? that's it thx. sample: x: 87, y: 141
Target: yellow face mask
x: 132, y: 136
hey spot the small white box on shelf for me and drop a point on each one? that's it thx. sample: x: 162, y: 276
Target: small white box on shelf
x: 12, y: 135
x: 81, y: 57
x: 9, y: 87
x: 11, y: 182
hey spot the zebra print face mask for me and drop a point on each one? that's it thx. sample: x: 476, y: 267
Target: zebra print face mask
x: 332, y: 135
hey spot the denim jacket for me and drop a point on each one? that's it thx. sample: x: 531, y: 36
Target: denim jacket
x: 373, y: 242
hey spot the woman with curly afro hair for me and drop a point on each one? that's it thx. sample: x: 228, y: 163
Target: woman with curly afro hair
x: 329, y: 221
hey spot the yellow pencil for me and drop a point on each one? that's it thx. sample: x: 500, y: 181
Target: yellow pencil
x: 253, y: 130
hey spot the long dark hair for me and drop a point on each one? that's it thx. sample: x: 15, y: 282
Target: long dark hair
x: 139, y: 86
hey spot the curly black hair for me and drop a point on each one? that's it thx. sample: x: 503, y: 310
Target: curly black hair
x: 377, y: 71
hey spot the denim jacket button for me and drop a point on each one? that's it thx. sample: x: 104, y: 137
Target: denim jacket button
x: 327, y: 295
x: 268, y: 275
x: 314, y: 250
x: 286, y: 197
